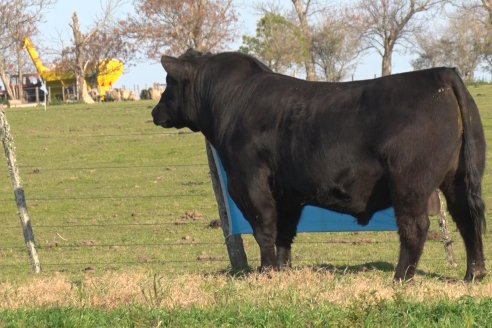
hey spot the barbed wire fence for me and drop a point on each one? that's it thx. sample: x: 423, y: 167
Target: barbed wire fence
x: 66, y: 256
x: 9, y: 149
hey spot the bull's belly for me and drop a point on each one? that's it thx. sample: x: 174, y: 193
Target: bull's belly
x: 360, y: 198
x: 363, y: 212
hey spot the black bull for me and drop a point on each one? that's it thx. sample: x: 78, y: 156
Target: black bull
x: 355, y: 147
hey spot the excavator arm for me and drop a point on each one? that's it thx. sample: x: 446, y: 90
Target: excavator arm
x: 27, y: 43
x: 110, y: 70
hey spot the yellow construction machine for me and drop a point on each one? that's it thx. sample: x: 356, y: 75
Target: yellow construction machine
x: 61, y: 84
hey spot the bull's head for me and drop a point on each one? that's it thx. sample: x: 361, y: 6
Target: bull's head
x: 175, y: 108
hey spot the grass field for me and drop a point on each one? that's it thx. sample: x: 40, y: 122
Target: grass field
x: 121, y: 212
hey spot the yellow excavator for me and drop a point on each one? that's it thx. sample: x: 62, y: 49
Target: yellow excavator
x: 59, y: 82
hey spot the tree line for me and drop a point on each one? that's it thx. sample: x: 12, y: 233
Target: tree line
x: 328, y: 42
x: 311, y: 38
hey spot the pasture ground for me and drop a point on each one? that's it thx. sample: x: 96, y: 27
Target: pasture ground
x: 122, y: 209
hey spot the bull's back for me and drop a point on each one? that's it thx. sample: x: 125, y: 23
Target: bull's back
x: 338, y: 144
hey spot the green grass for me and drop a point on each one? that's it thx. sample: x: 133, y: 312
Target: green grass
x: 464, y: 313
x: 107, y: 191
x: 104, y: 175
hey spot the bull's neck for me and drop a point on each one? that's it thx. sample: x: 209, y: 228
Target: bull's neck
x: 209, y: 124
x: 210, y: 118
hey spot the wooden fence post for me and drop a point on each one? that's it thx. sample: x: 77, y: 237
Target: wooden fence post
x: 234, y: 243
x: 9, y: 149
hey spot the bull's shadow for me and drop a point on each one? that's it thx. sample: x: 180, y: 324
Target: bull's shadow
x: 341, y: 270
x: 363, y: 267
x: 377, y: 266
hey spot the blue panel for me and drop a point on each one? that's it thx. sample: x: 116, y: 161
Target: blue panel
x: 313, y: 219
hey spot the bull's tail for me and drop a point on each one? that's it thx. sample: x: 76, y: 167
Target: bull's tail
x: 473, y: 148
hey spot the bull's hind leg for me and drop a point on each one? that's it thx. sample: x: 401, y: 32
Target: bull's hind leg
x: 410, y: 203
x: 413, y: 233
x: 458, y: 207
x: 288, y: 218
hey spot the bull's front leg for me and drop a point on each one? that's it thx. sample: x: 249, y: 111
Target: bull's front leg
x: 265, y: 228
x: 265, y: 234
x: 259, y: 207
x: 289, y: 213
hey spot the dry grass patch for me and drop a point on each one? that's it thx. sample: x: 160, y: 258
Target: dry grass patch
x: 299, y: 287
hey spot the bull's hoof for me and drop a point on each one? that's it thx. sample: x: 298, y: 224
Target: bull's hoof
x: 402, y: 281
x: 477, y: 276
x: 285, y: 266
x: 284, y: 260
x: 404, y: 275
x: 268, y: 268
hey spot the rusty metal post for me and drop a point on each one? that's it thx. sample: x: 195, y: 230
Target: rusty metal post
x: 20, y: 199
x: 234, y: 243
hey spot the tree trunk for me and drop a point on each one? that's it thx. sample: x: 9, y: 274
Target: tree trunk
x: 310, y: 71
x: 197, y: 28
x: 79, y: 41
x: 20, y: 75
x: 386, y: 67
x: 488, y: 6
x: 308, y: 35
x: 82, y: 92
x: 6, y: 81
x: 387, y: 56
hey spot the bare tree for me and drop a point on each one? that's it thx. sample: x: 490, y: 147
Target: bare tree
x: 487, y: 55
x: 477, y: 14
x: 484, y: 6
x: 385, y: 23
x: 432, y: 51
x: 303, y: 10
x: 278, y: 42
x: 487, y: 4
x: 335, y: 47
x: 108, y: 44
x: 172, y: 26
x: 456, y: 45
x: 18, y: 19
x: 87, y: 46
x: 80, y: 40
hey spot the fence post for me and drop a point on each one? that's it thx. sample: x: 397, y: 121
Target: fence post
x: 446, y: 237
x: 37, y: 95
x: 9, y: 148
x: 234, y: 243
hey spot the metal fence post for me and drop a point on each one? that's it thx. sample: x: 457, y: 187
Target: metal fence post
x: 36, y: 90
x: 8, y: 146
x: 234, y: 243
x: 446, y: 236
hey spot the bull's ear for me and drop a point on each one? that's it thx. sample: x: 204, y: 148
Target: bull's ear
x: 177, y: 68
